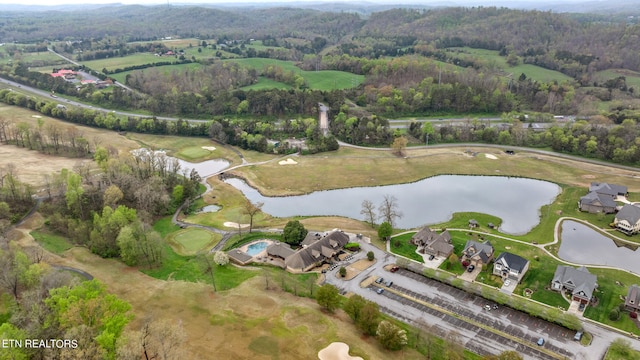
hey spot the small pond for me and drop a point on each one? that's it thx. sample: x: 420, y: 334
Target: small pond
x: 583, y: 245
x: 204, y: 168
x: 516, y: 201
x: 209, y: 209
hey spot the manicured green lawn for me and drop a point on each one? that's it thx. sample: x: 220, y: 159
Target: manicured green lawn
x: 178, y: 267
x: 164, y: 226
x: 54, y: 243
x: 192, y: 240
x: 194, y: 153
x: 401, y: 245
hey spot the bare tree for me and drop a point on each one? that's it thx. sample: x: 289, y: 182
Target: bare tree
x: 369, y: 212
x: 252, y: 210
x: 389, y: 209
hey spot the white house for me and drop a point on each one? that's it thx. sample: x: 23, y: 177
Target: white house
x: 627, y: 219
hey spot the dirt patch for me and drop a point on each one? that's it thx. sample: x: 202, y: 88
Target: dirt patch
x: 356, y: 268
x: 31, y: 165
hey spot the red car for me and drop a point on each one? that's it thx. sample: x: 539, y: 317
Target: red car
x: 394, y: 269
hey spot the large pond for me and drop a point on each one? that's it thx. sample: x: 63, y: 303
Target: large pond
x: 516, y: 201
x: 583, y: 245
x: 205, y: 168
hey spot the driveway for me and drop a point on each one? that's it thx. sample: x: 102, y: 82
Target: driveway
x: 471, y: 276
x: 508, y: 289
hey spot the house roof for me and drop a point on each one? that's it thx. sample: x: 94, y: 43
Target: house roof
x: 581, y: 279
x: 482, y: 250
x: 317, y: 251
x: 311, y: 238
x: 430, y: 239
x: 239, y: 255
x: 513, y: 261
x: 630, y: 213
x: 633, y: 296
x: 280, y: 249
x: 608, y: 189
x: 595, y: 198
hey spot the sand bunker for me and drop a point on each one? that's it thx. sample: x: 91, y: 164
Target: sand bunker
x: 210, y: 148
x: 235, y: 225
x: 492, y: 157
x: 289, y: 161
x: 36, y: 116
x: 337, y: 351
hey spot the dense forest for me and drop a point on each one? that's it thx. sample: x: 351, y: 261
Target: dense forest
x: 414, y: 62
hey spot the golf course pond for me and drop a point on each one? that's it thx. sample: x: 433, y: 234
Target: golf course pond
x: 582, y: 244
x: 205, y: 168
x: 517, y: 201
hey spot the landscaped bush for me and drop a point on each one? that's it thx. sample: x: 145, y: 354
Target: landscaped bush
x: 614, y: 315
x: 633, y: 315
x: 371, y: 256
x: 352, y: 246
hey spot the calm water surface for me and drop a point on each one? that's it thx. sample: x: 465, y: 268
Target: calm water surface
x: 583, y: 245
x: 516, y: 201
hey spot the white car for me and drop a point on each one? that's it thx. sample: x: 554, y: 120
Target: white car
x: 507, y: 282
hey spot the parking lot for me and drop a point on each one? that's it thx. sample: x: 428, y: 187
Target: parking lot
x: 475, y: 318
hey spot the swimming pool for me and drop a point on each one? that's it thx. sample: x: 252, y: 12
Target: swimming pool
x: 256, y: 248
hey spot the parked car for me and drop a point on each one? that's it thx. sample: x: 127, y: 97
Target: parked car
x: 578, y: 336
x: 394, y: 269
x: 507, y: 282
x: 487, y: 307
x: 388, y: 283
x: 380, y: 290
x: 471, y: 268
x: 582, y: 306
x: 540, y: 342
x: 495, y: 306
x: 431, y: 257
x: 379, y: 280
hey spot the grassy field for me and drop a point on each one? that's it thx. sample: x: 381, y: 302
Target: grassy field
x: 191, y: 241
x: 265, y: 83
x: 320, y: 80
x: 50, y: 242
x: 493, y: 58
x: 165, y: 69
x: 124, y: 61
x: 632, y: 78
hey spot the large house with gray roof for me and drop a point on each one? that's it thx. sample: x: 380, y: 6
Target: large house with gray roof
x: 611, y: 190
x: 627, y: 219
x: 580, y: 282
x: 510, y: 266
x: 595, y: 203
x: 316, y: 253
x: 431, y: 243
x: 476, y: 253
x: 632, y: 301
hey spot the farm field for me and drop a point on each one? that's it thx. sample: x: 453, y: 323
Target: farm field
x: 534, y: 72
x: 632, y: 78
x: 165, y: 69
x: 124, y: 61
x: 320, y: 80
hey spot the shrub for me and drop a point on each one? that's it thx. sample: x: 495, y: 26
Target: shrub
x: 343, y: 271
x: 371, y: 256
x: 614, y: 315
x: 633, y: 315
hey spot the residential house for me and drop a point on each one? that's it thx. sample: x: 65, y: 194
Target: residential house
x: 580, y: 282
x: 627, y: 219
x: 280, y: 250
x: 431, y: 243
x: 610, y: 190
x: 318, y: 252
x: 476, y: 253
x: 595, y: 202
x: 632, y: 301
x: 239, y: 257
x: 510, y: 266
x: 473, y: 223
